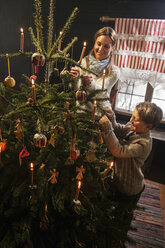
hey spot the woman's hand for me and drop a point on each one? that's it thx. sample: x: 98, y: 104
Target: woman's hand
x: 86, y: 80
x: 75, y: 72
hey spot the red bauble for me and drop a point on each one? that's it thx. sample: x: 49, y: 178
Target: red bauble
x: 81, y: 95
x: 38, y: 60
x: 74, y: 154
x: 33, y: 77
x: 40, y: 140
x: 3, y: 146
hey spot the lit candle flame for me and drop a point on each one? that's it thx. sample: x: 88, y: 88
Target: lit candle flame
x: 79, y: 184
x: 111, y: 165
x: 21, y: 30
x: 31, y: 165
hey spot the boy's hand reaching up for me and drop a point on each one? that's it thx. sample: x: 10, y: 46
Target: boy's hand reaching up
x: 104, y: 120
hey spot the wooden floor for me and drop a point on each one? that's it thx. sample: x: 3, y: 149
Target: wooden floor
x: 162, y: 202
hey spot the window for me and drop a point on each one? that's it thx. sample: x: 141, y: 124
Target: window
x: 159, y: 97
x: 132, y: 92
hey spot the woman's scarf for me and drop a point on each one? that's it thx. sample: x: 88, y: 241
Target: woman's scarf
x: 97, y: 65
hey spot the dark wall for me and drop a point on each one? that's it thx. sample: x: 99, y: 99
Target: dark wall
x: 19, y: 13
x: 14, y: 14
x: 90, y: 11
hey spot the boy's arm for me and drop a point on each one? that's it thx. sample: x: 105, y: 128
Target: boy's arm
x: 120, y: 130
x: 122, y: 150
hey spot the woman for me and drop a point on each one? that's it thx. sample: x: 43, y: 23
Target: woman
x: 99, y: 60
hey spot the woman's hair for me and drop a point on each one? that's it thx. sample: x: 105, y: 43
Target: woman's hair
x: 150, y: 113
x: 108, y: 31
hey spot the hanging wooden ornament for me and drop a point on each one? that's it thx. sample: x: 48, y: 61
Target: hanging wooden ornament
x: 100, y: 137
x: 67, y: 104
x: 52, y: 140
x: 19, y: 130
x: 80, y: 173
x: 42, y: 166
x: 24, y: 153
x: 54, y: 175
x: 40, y: 140
x: 74, y: 153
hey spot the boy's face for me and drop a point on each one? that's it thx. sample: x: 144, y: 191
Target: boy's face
x: 137, y: 125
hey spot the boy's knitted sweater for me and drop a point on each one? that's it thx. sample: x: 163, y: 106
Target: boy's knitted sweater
x: 130, y: 154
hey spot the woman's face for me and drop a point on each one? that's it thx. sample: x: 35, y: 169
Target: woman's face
x: 103, y: 47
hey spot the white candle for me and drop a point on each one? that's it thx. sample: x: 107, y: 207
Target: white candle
x: 22, y: 40
x: 82, y: 53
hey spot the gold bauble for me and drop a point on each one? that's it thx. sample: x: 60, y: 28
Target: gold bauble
x: 9, y: 81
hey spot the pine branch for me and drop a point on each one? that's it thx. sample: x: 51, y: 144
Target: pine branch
x: 69, y: 45
x: 50, y: 26
x: 63, y: 58
x: 39, y: 27
x: 33, y: 38
x: 22, y: 109
x: 64, y: 31
x: 10, y: 55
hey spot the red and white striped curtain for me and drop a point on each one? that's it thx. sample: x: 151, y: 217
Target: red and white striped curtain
x: 140, y: 46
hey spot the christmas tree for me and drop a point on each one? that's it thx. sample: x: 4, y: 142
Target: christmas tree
x: 55, y: 170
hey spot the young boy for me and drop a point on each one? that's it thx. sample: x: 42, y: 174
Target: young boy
x: 130, y: 144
